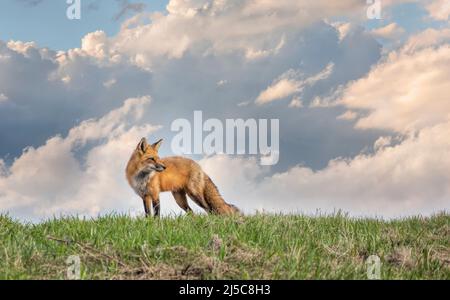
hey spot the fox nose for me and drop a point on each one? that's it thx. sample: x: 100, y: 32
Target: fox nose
x: 161, y: 167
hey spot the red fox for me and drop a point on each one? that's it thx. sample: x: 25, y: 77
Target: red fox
x: 150, y: 175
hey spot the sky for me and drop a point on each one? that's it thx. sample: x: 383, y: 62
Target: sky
x: 360, y: 91
x: 45, y: 21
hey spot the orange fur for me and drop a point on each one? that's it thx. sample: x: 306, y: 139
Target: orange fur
x: 150, y: 175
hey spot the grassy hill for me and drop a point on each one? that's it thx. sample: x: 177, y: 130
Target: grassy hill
x: 210, y: 247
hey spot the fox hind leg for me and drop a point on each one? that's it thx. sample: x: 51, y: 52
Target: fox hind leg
x: 198, y: 199
x: 180, y: 198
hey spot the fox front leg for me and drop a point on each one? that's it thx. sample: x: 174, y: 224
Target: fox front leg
x: 147, y: 206
x: 156, y: 206
x: 150, y: 201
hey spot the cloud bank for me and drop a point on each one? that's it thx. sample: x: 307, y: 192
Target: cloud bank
x: 407, y: 174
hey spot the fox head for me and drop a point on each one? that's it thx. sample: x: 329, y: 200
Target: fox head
x: 146, y: 157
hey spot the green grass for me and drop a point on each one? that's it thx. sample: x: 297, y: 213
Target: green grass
x: 211, y: 247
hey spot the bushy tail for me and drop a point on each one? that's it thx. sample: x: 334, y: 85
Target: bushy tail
x: 215, y: 201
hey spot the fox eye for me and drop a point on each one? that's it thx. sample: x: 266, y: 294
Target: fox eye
x: 151, y: 159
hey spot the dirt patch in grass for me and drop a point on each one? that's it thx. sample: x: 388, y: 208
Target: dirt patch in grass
x: 402, y: 257
x: 442, y: 255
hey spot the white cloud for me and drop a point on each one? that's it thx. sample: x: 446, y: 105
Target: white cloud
x: 382, y: 142
x: 279, y: 90
x: 428, y: 38
x: 252, y: 54
x: 254, y: 29
x: 391, y: 31
x: 21, y: 47
x: 3, y: 98
x: 109, y: 83
x: 296, y: 102
x: 322, y: 75
x: 96, y: 44
x: 343, y: 28
x: 406, y: 92
x: 291, y: 83
x: 243, y: 104
x: 222, y: 82
x: 439, y: 9
x: 348, y: 115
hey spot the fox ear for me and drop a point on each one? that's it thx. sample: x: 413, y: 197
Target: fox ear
x: 142, y: 146
x: 157, y: 144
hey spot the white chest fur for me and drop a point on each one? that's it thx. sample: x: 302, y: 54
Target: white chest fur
x: 140, y: 183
